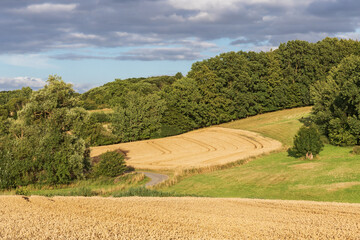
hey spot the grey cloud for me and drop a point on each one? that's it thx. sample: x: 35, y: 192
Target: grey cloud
x: 335, y: 8
x: 159, y: 54
x: 145, y: 23
x: 13, y: 83
x: 141, y: 54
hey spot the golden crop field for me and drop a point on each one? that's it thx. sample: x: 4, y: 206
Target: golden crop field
x: 200, y: 148
x: 175, y: 218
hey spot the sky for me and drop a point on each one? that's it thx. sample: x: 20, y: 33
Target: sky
x: 91, y: 42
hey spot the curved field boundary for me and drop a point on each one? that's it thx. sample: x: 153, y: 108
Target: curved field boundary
x: 200, y: 148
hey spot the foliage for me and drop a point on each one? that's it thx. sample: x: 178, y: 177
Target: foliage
x: 22, y: 191
x: 100, y: 117
x: 307, y: 143
x: 39, y: 145
x: 138, y: 118
x: 115, y: 93
x: 111, y: 164
x: 230, y: 86
x: 337, y: 102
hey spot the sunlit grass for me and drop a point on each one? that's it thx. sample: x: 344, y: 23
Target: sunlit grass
x: 333, y: 176
x: 280, y: 125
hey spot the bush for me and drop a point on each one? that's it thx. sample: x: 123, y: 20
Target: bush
x: 356, y: 150
x: 22, y: 191
x: 111, y: 164
x: 307, y: 143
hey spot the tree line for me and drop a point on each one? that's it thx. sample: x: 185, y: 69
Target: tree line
x: 45, y: 135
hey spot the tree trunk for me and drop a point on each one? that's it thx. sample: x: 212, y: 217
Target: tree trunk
x: 309, y: 156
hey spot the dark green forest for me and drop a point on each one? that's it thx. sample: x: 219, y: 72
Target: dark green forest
x: 45, y: 135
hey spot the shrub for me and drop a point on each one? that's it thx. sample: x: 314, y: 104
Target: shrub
x: 22, y: 191
x: 307, y: 143
x: 356, y: 150
x: 111, y: 164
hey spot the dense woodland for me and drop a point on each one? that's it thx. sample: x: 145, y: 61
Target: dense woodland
x: 45, y: 134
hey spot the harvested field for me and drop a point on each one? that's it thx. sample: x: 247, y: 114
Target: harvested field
x: 175, y: 218
x: 200, y: 148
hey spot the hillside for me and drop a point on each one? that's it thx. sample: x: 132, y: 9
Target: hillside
x: 333, y: 176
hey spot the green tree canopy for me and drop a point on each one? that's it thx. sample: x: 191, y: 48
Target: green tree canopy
x: 40, y: 145
x: 139, y: 117
x: 307, y: 143
x: 337, y: 103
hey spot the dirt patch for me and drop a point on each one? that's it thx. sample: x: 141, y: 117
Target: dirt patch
x: 200, y: 148
x: 175, y: 218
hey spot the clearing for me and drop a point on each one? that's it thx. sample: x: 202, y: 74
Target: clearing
x: 200, y: 148
x: 174, y: 218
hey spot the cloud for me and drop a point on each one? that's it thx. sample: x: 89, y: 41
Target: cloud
x: 7, y: 84
x: 141, y: 54
x: 48, y: 8
x: 160, y: 54
x: 26, y: 60
x: 148, y: 24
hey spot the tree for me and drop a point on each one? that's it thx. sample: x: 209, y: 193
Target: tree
x: 138, y: 118
x: 40, y: 146
x: 337, y: 103
x: 307, y: 143
x: 111, y: 164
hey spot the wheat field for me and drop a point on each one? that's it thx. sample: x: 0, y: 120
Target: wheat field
x: 200, y: 148
x: 175, y: 218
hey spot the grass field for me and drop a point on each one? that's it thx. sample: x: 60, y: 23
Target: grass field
x: 174, y: 218
x: 280, y: 125
x: 332, y: 176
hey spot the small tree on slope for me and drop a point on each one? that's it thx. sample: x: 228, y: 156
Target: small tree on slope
x: 307, y: 143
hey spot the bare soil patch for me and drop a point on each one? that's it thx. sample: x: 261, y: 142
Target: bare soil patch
x: 175, y: 218
x: 200, y: 148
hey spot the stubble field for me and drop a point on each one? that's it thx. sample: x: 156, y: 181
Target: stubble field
x: 175, y: 218
x: 200, y: 148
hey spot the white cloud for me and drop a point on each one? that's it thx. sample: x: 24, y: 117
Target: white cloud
x: 220, y: 5
x: 49, y: 7
x: 26, y: 60
x: 350, y: 35
x: 19, y: 82
x: 173, y: 17
x: 85, y: 36
x: 203, y: 17
x: 264, y: 48
x: 204, y: 5
x: 137, y: 38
